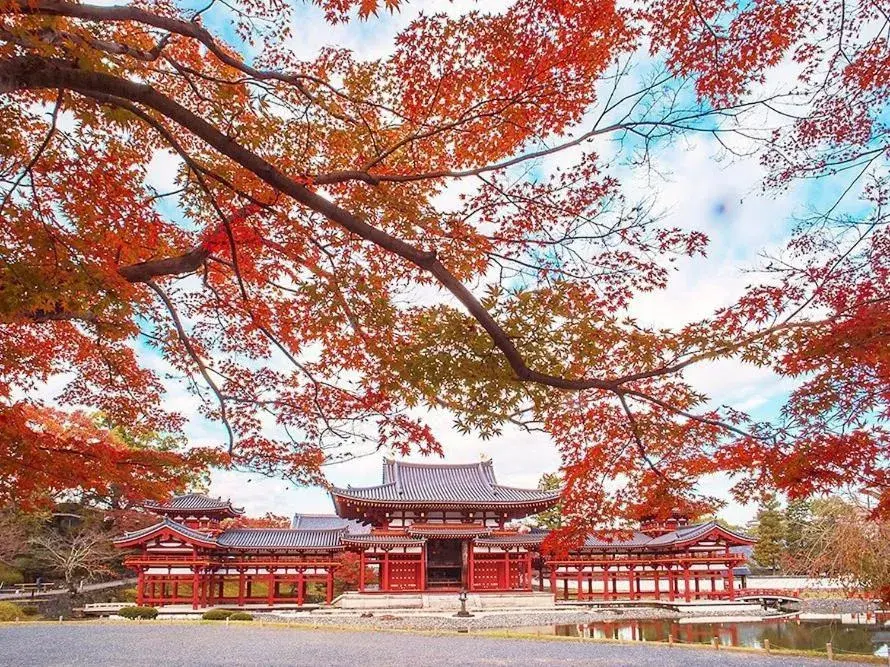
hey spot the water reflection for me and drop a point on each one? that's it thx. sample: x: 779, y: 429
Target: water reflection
x: 868, y: 636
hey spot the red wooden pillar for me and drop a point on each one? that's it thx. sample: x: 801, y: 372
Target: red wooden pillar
x: 140, y: 584
x: 630, y: 582
x: 730, y: 583
x: 605, y: 582
x: 384, y: 576
x: 578, y: 583
x: 195, y: 598
x: 686, y: 595
x: 471, y: 567
x: 528, y: 570
x: 240, y: 587
x: 672, y: 584
x: 176, y: 590
x: 329, y: 595
x: 505, y: 582
x: 361, y: 572
x: 657, y: 583
x: 271, y: 595
x: 553, y: 579
x: 301, y: 587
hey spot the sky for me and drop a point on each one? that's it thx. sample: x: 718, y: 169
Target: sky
x: 722, y: 199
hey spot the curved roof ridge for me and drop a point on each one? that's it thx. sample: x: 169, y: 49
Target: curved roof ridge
x: 194, y: 500
x: 521, y: 488
x: 166, y: 522
x: 423, y: 464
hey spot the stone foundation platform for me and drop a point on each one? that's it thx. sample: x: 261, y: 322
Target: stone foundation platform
x: 444, y: 601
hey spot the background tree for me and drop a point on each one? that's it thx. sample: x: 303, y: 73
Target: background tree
x: 553, y: 518
x: 313, y: 206
x: 83, y: 551
x: 769, y: 529
x: 847, y: 546
x: 722, y: 522
x: 798, y: 517
x: 268, y: 520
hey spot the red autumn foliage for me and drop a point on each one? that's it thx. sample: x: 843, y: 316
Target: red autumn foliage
x: 268, y: 520
x: 357, y: 241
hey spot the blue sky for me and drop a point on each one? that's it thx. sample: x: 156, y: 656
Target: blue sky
x: 724, y: 199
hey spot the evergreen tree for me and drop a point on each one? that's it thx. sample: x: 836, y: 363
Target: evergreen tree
x: 769, y: 529
x: 798, y: 518
x: 550, y: 519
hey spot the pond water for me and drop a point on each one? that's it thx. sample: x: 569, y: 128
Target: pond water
x: 854, y: 634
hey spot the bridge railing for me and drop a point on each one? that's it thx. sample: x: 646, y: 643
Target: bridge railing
x: 768, y: 592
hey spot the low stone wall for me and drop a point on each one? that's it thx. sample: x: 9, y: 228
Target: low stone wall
x: 65, y: 604
x: 787, y: 582
x: 443, y: 601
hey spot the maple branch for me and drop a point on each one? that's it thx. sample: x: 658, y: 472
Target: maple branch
x: 637, y: 437
x: 43, y: 146
x: 190, y: 29
x: 143, y: 272
x: 202, y: 368
x: 31, y: 72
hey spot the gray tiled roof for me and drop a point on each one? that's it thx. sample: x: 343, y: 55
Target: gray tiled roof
x: 382, y: 539
x: 517, y: 539
x: 447, y: 530
x: 691, y: 533
x: 194, y: 501
x: 640, y: 540
x: 326, y: 522
x: 279, y: 538
x: 472, y: 483
x: 166, y: 523
x: 634, y: 540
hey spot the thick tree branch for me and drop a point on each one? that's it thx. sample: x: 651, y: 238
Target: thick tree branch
x: 37, y: 73
x: 143, y: 272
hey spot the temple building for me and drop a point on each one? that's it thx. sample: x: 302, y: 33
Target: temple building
x: 426, y: 528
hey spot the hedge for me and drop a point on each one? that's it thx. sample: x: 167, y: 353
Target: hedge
x: 126, y: 595
x: 217, y: 614
x: 10, y: 576
x: 138, y: 612
x: 10, y: 611
x: 240, y: 616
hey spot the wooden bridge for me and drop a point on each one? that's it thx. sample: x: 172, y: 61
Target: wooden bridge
x: 768, y: 597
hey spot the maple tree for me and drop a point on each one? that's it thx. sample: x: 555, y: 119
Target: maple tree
x: 268, y: 520
x: 847, y: 546
x: 320, y: 274
x: 47, y: 456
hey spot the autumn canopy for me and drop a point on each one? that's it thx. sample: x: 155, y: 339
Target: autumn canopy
x: 353, y: 241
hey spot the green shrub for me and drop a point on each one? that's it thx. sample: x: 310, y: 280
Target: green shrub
x: 10, y: 576
x: 240, y: 616
x: 10, y: 611
x: 217, y: 614
x: 126, y: 595
x: 138, y: 612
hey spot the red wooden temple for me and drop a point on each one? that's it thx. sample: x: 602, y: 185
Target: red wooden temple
x: 443, y: 527
x: 425, y: 528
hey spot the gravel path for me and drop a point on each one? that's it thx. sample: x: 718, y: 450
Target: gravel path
x: 481, y: 621
x: 151, y: 644
x: 837, y: 606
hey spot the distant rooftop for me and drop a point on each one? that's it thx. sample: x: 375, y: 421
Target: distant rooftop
x: 198, y: 502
